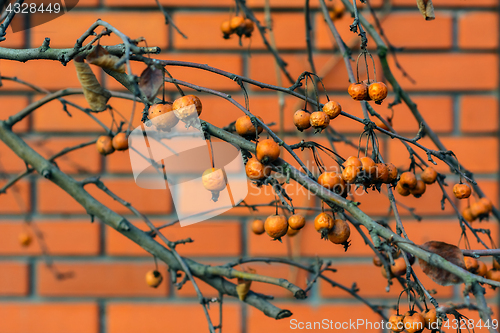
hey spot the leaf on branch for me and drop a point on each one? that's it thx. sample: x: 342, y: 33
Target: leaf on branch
x: 151, y: 81
x: 450, y: 253
x: 243, y: 286
x: 94, y: 93
x: 102, y: 58
x: 426, y: 8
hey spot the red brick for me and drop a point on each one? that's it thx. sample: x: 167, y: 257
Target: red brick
x: 170, y: 3
x: 100, y: 279
x: 14, y: 280
x: 80, y: 121
x: 52, y: 199
x: 78, y: 237
x: 9, y: 161
x: 409, y: 30
x: 228, y: 62
x: 37, y: 71
x: 446, y: 230
x: 478, y: 30
x: 437, y: 112
x: 158, y: 317
x: 12, y: 105
x: 49, y: 317
x: 16, y: 200
x: 478, y: 154
x: 442, y: 71
x: 149, y: 25
x: 371, y: 283
x: 71, y: 162
x: 306, y: 312
x: 404, y: 29
x: 478, y: 114
x: 211, y: 238
x: 451, y: 3
x: 201, y: 29
x: 14, y: 40
x: 324, y: 38
x: 332, y: 69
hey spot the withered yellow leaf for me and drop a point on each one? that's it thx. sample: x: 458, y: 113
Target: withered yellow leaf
x: 102, y: 58
x: 94, y: 93
x: 426, y: 8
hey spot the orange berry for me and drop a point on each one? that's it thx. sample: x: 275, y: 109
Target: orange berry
x: 104, y: 145
x: 120, y: 141
x: 153, y: 278
x: 429, y: 175
x: 332, y: 181
x: 256, y: 170
x: 419, y: 189
x: 461, y: 191
x: 226, y: 29
x: 258, y: 227
x: 467, y: 214
x: 358, y: 91
x: 392, y: 172
x: 350, y: 173
x: 340, y: 232
x: 377, y: 91
x: 319, y: 120
x: 301, y: 120
x: 276, y: 226
x: 402, y: 191
x: 267, y: 151
x: 353, y: 160
x: 332, y: 109
x: 236, y: 22
x: 168, y: 119
x: 408, y: 180
x: 214, y: 179
x: 245, y: 127
x: 296, y: 221
x: 183, y: 111
x: 25, y: 239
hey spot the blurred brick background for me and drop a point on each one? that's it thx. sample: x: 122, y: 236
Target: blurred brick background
x: 454, y: 61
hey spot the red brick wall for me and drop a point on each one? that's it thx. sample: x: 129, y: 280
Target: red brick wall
x: 453, y: 59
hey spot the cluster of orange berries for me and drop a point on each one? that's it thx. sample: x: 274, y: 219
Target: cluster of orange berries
x: 106, y: 144
x: 358, y: 170
x: 277, y: 226
x: 479, y: 268
x: 368, y: 90
x: 319, y: 120
x: 479, y: 209
x: 239, y: 25
x: 399, y: 267
x: 413, y: 322
x: 409, y: 184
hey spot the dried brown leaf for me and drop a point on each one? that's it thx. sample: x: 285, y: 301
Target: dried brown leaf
x: 151, y: 81
x: 449, y: 252
x: 102, y: 58
x: 94, y: 93
x: 426, y: 8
